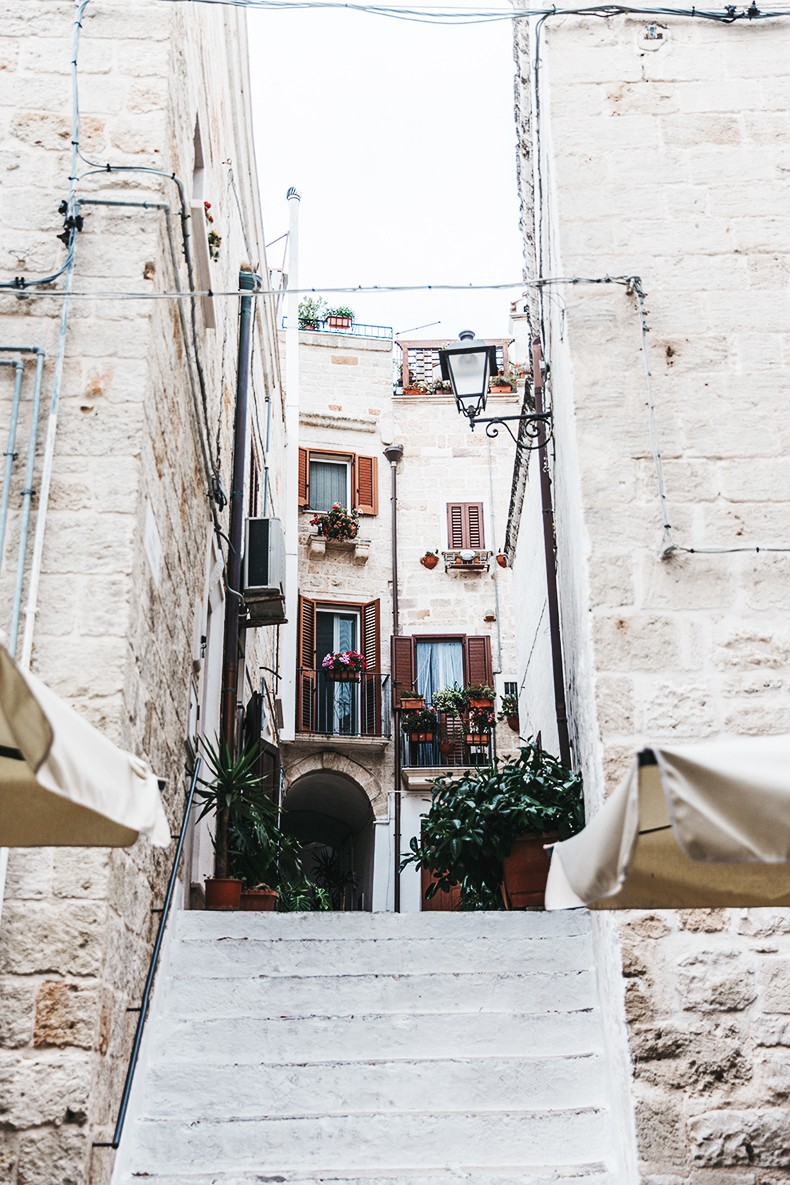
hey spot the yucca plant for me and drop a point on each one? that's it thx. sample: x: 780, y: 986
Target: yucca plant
x: 234, y: 793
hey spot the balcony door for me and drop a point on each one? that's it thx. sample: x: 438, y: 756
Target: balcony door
x: 338, y: 703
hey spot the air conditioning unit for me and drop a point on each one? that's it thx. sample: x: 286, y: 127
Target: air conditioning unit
x: 263, y: 585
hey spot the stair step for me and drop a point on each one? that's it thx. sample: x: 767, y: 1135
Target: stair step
x: 244, y: 955
x: 295, y: 927
x: 250, y: 1091
x: 421, y: 1141
x: 589, y: 1174
x: 339, y: 995
x: 368, y: 1036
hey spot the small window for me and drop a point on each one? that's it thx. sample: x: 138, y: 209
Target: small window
x: 465, y: 525
x: 329, y: 483
x: 509, y: 688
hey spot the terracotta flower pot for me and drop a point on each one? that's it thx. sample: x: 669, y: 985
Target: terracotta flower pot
x: 500, y: 390
x: 512, y: 722
x: 412, y: 703
x: 429, y: 561
x: 259, y: 900
x: 339, y: 322
x: 343, y: 676
x: 502, y: 560
x: 525, y: 871
x: 223, y: 892
x: 477, y: 738
x: 481, y: 703
x: 445, y: 748
x: 414, y: 391
x: 421, y: 738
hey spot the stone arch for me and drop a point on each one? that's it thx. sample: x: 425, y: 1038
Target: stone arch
x: 327, y: 810
x: 338, y: 763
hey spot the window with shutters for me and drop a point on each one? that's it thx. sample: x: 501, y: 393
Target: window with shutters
x: 326, y: 477
x: 428, y: 664
x: 465, y: 526
x: 326, y: 705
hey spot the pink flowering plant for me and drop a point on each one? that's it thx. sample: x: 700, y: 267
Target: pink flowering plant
x: 338, y: 523
x: 480, y: 720
x: 344, y: 660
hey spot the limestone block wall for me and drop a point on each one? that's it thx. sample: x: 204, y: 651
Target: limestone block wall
x: 127, y: 548
x: 658, y: 152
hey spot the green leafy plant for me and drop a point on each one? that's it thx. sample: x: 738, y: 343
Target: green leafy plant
x: 301, y: 895
x: 475, y: 817
x: 480, y: 720
x: 508, y: 707
x: 312, y: 310
x: 500, y: 380
x: 479, y: 691
x: 422, y: 721
x: 451, y: 701
x: 233, y: 792
x: 341, y: 310
x: 332, y: 878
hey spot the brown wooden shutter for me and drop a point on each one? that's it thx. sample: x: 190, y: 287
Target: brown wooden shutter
x: 474, y: 525
x: 306, y: 675
x: 371, y: 679
x: 304, y: 477
x: 366, y: 484
x: 465, y: 525
x: 478, y: 660
x: 455, y: 525
x: 402, y: 667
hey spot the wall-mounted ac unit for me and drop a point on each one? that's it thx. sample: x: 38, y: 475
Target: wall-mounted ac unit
x: 264, y: 572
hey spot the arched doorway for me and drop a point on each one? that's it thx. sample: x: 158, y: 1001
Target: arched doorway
x: 332, y: 819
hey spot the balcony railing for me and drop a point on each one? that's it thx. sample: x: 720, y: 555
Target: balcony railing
x: 449, y: 749
x: 382, y: 332
x: 333, y: 708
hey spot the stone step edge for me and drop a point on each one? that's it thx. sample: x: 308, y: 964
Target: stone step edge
x: 521, y: 1113
x: 571, y: 1172
x: 355, y: 976
x: 538, y: 1059
x: 591, y: 1010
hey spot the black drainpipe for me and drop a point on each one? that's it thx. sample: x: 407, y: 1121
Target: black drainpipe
x: 551, y: 565
x: 230, y: 659
x: 393, y: 453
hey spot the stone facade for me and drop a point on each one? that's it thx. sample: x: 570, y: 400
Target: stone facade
x: 347, y: 407
x: 657, y: 150
x: 127, y: 625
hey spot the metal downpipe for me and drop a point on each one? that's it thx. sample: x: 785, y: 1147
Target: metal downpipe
x: 393, y: 453
x: 10, y: 455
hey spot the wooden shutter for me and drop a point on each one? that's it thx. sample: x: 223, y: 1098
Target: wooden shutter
x: 306, y: 674
x: 465, y: 525
x: 478, y: 660
x: 371, y: 679
x: 304, y: 477
x: 365, y: 473
x: 402, y: 667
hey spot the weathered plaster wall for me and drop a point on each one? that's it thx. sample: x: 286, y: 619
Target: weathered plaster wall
x: 123, y: 587
x: 669, y: 163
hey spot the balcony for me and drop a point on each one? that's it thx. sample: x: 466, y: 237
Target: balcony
x: 446, y: 753
x: 354, y: 711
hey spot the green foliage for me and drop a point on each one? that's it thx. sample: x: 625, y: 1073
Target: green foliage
x: 450, y: 700
x: 301, y: 895
x: 312, y: 310
x: 508, y: 707
x: 479, y: 691
x: 422, y: 721
x: 340, y: 310
x: 330, y: 877
x: 475, y: 817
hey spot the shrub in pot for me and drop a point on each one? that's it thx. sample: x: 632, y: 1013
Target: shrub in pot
x: 476, y: 817
x: 421, y: 725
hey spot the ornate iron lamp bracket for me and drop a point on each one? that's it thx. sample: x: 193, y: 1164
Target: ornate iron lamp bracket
x: 537, y: 428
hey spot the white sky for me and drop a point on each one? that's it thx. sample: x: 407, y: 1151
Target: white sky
x: 401, y: 139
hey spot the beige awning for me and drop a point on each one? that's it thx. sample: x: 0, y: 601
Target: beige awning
x: 690, y: 826
x: 61, y: 781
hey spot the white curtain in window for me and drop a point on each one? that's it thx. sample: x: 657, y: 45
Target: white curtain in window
x: 328, y: 484
x: 439, y: 665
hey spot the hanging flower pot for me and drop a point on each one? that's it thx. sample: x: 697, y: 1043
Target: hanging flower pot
x: 501, y: 559
x: 344, y: 666
x: 421, y: 738
x: 477, y: 738
x: 343, y: 676
x: 420, y: 726
x: 411, y: 702
x: 445, y: 748
x: 525, y: 871
x: 512, y: 723
x: 429, y: 560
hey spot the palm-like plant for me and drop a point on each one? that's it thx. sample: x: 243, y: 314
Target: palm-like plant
x: 234, y: 793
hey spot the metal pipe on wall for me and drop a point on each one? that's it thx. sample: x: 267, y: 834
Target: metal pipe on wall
x: 393, y: 453
x: 291, y: 512
x: 10, y: 455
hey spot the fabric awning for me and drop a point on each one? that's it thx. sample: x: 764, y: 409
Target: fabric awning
x: 689, y: 826
x: 61, y: 781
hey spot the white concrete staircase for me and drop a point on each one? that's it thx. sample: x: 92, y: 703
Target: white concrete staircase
x: 359, y: 1049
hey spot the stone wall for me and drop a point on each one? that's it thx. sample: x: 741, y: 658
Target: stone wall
x: 127, y: 548
x: 662, y: 155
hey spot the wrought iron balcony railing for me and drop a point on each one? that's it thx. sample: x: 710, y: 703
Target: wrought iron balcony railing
x: 343, y: 708
x: 451, y: 748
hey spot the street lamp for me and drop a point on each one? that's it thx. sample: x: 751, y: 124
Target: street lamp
x: 469, y: 365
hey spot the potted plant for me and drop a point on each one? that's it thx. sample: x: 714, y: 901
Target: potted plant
x: 234, y: 794
x: 338, y: 523
x: 500, y: 384
x: 450, y: 701
x: 478, y: 821
x: 411, y: 701
x: 501, y: 559
x: 312, y: 310
x: 430, y: 559
x: 508, y: 710
x: 261, y: 855
x: 442, y: 387
x: 415, y: 387
x: 339, y: 317
x: 479, y: 723
x: 420, y: 726
x: 344, y: 666
x: 479, y: 695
